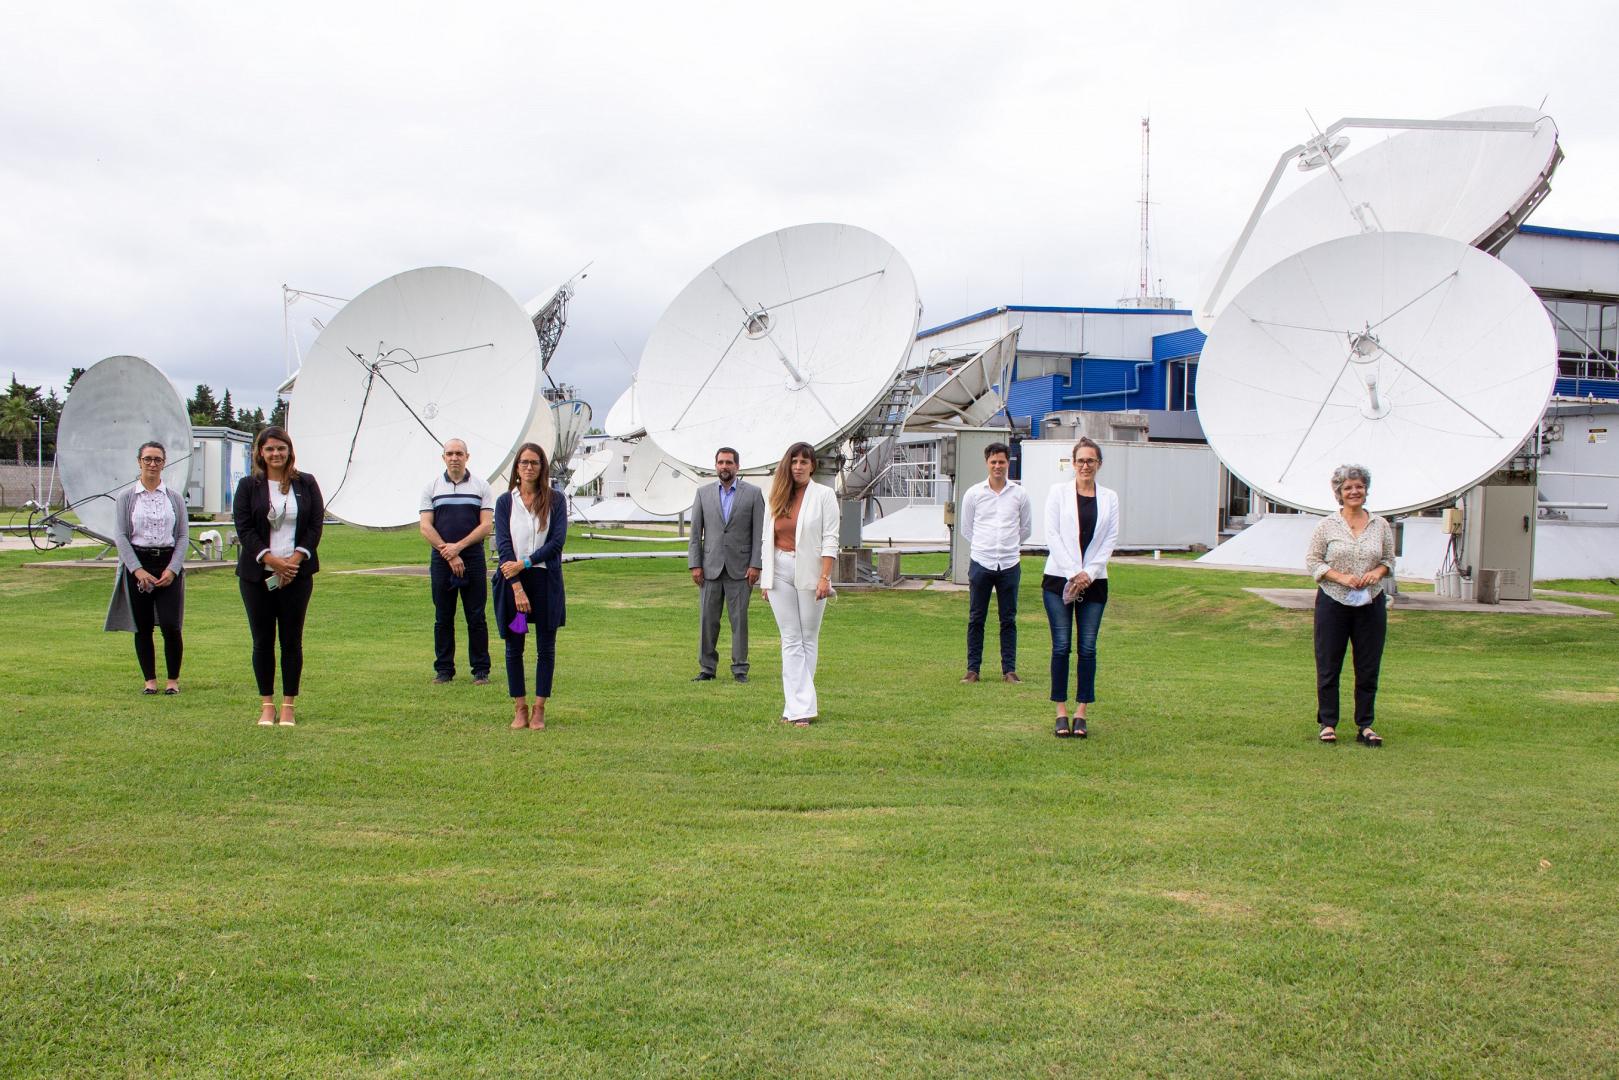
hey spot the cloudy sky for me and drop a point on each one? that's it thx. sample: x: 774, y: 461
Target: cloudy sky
x: 167, y: 167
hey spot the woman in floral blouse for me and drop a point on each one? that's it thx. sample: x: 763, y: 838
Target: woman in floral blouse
x: 1350, y: 554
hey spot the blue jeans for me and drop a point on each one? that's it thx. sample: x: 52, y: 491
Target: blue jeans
x: 980, y: 580
x: 1086, y: 613
x: 473, y: 593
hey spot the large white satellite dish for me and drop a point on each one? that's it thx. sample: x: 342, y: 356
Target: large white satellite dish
x: 572, y: 419
x: 117, y: 404
x: 1419, y: 357
x: 624, y: 419
x: 657, y: 484
x: 423, y: 357
x: 586, y: 469
x: 542, y: 432
x: 793, y: 336
x: 971, y: 396
x: 1471, y: 177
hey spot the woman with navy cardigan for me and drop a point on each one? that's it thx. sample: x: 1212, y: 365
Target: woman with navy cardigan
x: 531, y: 524
x: 1082, y: 525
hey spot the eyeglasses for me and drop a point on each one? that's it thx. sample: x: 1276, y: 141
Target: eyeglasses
x: 151, y: 461
x: 529, y: 464
x: 1086, y: 463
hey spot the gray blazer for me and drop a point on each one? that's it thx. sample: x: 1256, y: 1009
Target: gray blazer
x: 726, y: 547
x: 119, y: 617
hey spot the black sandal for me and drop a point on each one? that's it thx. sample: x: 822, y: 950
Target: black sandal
x: 1079, y: 727
x: 1063, y: 730
x: 148, y: 690
x: 1328, y: 735
x: 1369, y: 737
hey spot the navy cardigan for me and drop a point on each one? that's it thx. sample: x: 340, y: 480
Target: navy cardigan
x: 544, y: 587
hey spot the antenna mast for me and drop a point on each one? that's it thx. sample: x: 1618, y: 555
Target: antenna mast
x: 1146, y: 173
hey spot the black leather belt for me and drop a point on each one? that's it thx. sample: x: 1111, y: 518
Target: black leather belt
x: 154, y: 551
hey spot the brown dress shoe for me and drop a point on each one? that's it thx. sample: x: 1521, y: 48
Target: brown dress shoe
x: 1011, y: 676
x: 971, y: 676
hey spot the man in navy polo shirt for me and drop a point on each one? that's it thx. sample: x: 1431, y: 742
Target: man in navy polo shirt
x: 458, y: 511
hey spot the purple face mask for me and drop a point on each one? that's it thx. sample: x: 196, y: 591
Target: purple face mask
x: 519, y: 625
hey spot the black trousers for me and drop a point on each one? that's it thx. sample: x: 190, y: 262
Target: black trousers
x: 1338, y: 626
x: 274, y: 614
x: 160, y: 608
x: 471, y: 589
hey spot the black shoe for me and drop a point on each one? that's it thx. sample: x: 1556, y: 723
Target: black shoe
x: 1079, y: 728
x: 440, y: 680
x: 480, y: 680
x: 703, y: 676
x: 741, y: 678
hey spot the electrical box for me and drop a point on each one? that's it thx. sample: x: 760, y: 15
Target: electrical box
x: 1451, y: 521
x: 1499, y: 531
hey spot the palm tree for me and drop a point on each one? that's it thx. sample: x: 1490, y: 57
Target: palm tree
x: 16, y: 421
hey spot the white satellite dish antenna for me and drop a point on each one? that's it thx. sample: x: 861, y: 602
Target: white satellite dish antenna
x: 1419, y: 357
x: 542, y: 432
x: 624, y: 419
x: 572, y: 419
x: 586, y: 469
x: 793, y: 336
x: 1472, y: 177
x: 970, y: 397
x: 425, y: 356
x: 117, y: 404
x: 658, y: 484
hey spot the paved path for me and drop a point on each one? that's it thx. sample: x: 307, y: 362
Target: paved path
x: 1304, y: 600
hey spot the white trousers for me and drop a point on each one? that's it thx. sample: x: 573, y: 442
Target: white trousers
x: 798, y: 617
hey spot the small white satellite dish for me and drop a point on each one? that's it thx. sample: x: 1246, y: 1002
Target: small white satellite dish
x: 1471, y: 177
x: 1419, y: 357
x: 586, y: 469
x: 117, y: 404
x: 793, y: 336
x: 425, y: 356
x: 624, y: 419
x: 572, y: 419
x: 971, y: 397
x: 657, y: 484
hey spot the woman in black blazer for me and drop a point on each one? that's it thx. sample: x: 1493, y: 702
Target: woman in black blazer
x: 278, y: 512
x: 531, y: 525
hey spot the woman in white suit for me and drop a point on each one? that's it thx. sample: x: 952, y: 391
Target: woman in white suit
x: 1082, y: 525
x: 799, y: 546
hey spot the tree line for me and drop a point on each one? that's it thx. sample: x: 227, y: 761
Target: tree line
x: 23, y: 405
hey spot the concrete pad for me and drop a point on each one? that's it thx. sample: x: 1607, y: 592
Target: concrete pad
x: 1304, y: 600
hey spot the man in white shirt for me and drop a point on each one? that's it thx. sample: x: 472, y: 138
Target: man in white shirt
x: 996, y: 520
x: 457, y: 512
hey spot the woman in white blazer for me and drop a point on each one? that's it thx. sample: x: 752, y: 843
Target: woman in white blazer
x: 1082, y: 525
x: 799, y: 548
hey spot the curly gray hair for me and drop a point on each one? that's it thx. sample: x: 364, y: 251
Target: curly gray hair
x: 1345, y: 473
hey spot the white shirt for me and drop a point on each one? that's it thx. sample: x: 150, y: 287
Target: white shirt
x: 527, y: 532
x: 996, y: 523
x: 283, y: 520
x: 152, y: 518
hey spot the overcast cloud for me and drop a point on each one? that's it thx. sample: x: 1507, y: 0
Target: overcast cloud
x: 167, y: 167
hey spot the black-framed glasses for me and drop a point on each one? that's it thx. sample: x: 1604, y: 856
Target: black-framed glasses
x: 1086, y: 463
x: 530, y: 463
x: 152, y: 461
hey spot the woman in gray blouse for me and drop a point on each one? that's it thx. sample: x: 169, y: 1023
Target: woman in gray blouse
x: 1350, y: 554
x: 150, y: 534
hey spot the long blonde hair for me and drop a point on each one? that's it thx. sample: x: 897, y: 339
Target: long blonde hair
x: 782, y: 488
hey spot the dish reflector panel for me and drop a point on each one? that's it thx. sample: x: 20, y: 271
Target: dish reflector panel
x: 1464, y: 185
x: 425, y: 356
x: 658, y: 485
x: 116, y: 405
x: 792, y: 336
x: 1421, y: 358
x: 624, y: 419
x: 971, y: 396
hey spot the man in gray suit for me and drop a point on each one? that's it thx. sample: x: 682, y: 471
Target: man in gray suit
x: 724, y: 559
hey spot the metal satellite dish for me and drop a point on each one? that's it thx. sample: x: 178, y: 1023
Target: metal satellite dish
x: 542, y: 432
x: 586, y: 469
x: 864, y: 465
x: 116, y: 405
x: 792, y: 336
x: 1419, y: 357
x: 624, y: 419
x: 971, y: 397
x: 1472, y: 177
x: 422, y: 357
x: 657, y: 484
x: 572, y: 420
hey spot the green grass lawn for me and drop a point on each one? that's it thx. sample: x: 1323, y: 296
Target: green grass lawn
x: 667, y: 882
